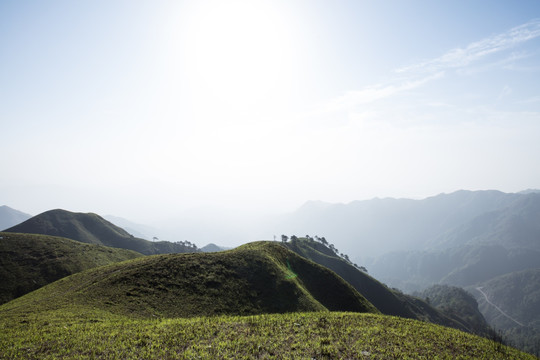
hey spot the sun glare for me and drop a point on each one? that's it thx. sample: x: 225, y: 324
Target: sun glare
x: 238, y: 52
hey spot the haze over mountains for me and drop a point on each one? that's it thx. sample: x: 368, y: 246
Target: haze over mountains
x: 468, y: 239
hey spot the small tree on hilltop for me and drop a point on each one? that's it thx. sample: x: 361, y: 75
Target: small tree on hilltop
x: 284, y: 238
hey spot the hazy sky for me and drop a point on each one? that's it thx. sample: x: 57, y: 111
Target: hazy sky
x: 147, y: 109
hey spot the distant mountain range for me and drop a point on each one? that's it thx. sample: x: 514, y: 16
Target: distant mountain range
x: 10, y: 217
x: 93, y: 229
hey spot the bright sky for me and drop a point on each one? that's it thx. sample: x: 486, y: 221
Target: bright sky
x: 147, y: 109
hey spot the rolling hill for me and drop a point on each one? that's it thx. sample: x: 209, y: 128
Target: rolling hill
x: 163, y: 306
x: 29, y: 261
x: 93, y: 229
x: 10, y: 217
x: 256, y: 278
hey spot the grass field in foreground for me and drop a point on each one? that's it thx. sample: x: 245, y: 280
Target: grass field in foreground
x: 84, y: 333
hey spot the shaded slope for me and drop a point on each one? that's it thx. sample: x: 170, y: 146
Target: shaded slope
x: 256, y: 278
x: 386, y: 300
x: 512, y: 303
x: 93, y: 229
x: 459, y: 305
x: 30, y: 261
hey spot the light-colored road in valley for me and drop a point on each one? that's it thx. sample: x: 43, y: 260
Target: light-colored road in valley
x: 498, y: 308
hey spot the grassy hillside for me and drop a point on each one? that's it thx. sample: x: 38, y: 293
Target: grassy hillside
x: 388, y: 301
x: 86, y: 333
x: 151, y: 307
x: 93, y: 229
x: 256, y: 278
x: 29, y: 261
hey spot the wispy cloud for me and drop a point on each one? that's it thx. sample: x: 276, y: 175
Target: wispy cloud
x: 416, y: 75
x: 377, y: 92
x: 461, y: 57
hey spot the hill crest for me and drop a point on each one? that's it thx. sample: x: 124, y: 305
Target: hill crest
x: 92, y: 229
x: 256, y: 278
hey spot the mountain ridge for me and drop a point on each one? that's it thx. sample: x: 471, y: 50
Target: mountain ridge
x: 93, y: 229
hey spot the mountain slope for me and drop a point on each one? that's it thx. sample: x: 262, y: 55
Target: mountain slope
x: 457, y: 304
x: 29, y: 261
x: 10, y: 217
x: 256, y: 278
x: 489, y: 245
x: 388, y: 301
x: 514, y: 226
x: 511, y: 303
x: 93, y: 229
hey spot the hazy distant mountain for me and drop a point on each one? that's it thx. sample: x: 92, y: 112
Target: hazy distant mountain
x: 489, y: 245
x: 10, y: 217
x: 516, y: 225
x: 212, y: 248
x: 93, y: 229
x: 137, y: 230
x: 378, y: 226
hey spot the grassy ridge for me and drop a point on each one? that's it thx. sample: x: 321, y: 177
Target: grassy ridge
x: 29, y: 261
x: 84, y: 333
x: 256, y: 278
x: 169, y: 306
x: 93, y: 229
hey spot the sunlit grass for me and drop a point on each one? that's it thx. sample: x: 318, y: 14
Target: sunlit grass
x: 85, y: 333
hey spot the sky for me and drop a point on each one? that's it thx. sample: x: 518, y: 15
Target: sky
x: 151, y: 110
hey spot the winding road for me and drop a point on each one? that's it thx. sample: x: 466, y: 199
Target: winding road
x: 498, y: 308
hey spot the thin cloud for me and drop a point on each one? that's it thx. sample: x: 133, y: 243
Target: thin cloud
x: 414, y: 76
x: 377, y: 92
x: 462, y: 57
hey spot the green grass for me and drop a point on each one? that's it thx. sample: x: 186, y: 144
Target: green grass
x: 84, y: 333
x: 237, y: 304
x: 252, y: 279
x: 29, y: 261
